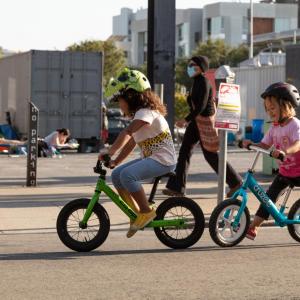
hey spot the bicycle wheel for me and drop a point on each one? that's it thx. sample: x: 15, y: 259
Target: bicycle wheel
x: 82, y: 239
x: 294, y: 214
x: 178, y: 208
x: 220, y: 223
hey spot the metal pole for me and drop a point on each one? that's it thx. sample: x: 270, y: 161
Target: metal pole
x: 159, y: 90
x: 151, y: 41
x: 251, y: 30
x: 32, y: 154
x: 222, y: 165
x: 161, y: 50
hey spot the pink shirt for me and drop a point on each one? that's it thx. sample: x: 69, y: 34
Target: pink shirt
x: 282, y: 138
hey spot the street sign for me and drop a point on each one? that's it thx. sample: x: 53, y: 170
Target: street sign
x: 229, y: 107
x: 32, y: 155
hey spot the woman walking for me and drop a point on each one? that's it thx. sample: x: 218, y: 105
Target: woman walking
x: 200, y: 129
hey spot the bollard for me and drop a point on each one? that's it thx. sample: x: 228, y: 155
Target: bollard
x: 32, y: 155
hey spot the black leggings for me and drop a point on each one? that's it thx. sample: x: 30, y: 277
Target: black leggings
x: 191, y: 138
x: 278, y: 185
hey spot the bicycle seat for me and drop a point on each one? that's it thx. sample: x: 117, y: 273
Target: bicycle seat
x: 169, y: 174
x: 165, y: 175
x: 155, y: 184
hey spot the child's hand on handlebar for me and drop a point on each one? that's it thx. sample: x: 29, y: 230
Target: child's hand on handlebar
x: 246, y: 143
x: 102, y: 153
x: 112, y: 164
x: 277, y: 153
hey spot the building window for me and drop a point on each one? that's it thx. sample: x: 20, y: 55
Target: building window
x: 197, y: 37
x: 245, y: 25
x: 126, y: 54
x: 145, y: 38
x: 181, y: 51
x: 145, y: 56
x: 282, y: 24
x: 180, y: 32
x: 245, y: 38
x: 216, y: 28
x: 209, y: 27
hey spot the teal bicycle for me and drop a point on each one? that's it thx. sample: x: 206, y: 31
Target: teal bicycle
x: 230, y: 220
x: 83, y: 224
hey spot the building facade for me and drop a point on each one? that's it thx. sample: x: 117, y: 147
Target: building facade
x: 230, y: 21
x: 130, y: 33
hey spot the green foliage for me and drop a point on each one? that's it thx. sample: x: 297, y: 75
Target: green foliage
x: 237, y: 55
x: 142, y: 68
x: 181, y: 73
x: 216, y: 51
x: 181, y: 107
x: 114, y: 59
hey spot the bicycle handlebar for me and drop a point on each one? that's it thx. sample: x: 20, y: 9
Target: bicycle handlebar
x: 106, y: 159
x: 258, y: 149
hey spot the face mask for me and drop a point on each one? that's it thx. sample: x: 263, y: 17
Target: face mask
x: 191, y: 71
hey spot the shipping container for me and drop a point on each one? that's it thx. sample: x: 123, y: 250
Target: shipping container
x: 65, y: 86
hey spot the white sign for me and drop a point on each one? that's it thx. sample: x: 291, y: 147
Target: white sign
x: 229, y: 107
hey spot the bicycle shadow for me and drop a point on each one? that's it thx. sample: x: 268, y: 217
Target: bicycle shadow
x: 75, y: 255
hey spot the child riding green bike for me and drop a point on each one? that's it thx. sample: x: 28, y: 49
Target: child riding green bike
x: 149, y: 129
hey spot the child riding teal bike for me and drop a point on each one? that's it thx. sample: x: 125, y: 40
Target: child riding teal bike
x: 229, y: 222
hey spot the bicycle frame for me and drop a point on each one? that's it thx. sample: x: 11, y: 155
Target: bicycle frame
x: 251, y: 184
x: 103, y: 187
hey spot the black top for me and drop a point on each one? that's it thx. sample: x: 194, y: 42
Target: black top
x: 200, y: 100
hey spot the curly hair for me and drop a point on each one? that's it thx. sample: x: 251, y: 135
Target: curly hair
x: 146, y: 99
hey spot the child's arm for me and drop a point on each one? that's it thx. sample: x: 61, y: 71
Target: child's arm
x: 293, y: 148
x: 123, y: 138
x: 127, y: 149
x: 246, y: 143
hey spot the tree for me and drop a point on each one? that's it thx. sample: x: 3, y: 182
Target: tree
x: 114, y: 59
x: 181, y: 106
x: 142, y: 68
x: 181, y: 73
x: 237, y: 55
x: 216, y: 51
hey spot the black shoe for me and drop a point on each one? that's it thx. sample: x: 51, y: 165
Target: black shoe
x: 172, y: 193
x: 233, y: 190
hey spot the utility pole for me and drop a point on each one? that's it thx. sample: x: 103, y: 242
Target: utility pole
x: 251, y: 30
x: 161, y: 50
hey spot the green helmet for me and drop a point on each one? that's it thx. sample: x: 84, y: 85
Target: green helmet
x: 127, y: 79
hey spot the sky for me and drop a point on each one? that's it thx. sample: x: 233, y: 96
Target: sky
x: 56, y: 24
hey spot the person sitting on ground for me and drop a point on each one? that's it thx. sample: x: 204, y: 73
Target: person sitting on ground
x: 56, y: 140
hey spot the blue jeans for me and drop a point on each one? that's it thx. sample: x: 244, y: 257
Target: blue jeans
x: 129, y: 175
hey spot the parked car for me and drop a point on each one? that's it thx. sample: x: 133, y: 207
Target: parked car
x: 115, y: 126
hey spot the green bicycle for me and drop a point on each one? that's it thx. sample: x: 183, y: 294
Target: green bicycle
x: 83, y: 224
